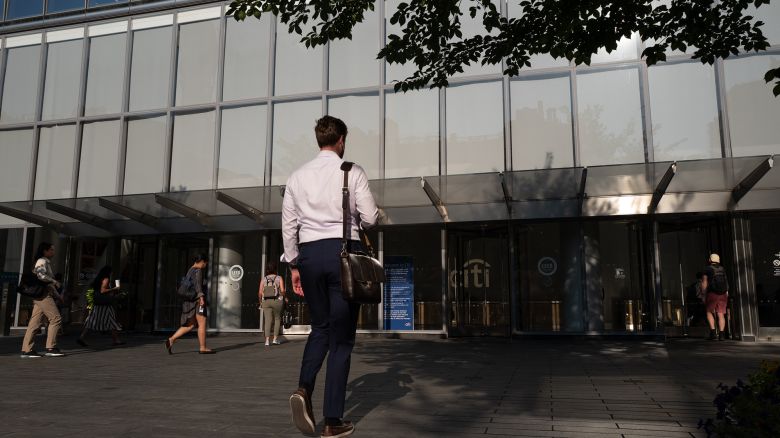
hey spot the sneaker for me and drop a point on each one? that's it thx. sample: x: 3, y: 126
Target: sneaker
x: 344, y: 429
x: 277, y: 342
x: 29, y: 354
x: 53, y: 352
x: 712, y: 336
x: 302, y: 415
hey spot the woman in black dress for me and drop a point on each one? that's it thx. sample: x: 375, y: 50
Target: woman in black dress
x: 194, y: 313
x: 102, y: 316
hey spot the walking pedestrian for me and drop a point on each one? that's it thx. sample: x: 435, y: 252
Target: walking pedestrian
x: 312, y: 229
x: 45, y: 306
x: 716, y: 284
x: 272, y: 297
x: 194, y: 314
x: 102, y: 316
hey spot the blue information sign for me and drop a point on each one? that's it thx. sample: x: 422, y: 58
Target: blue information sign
x: 399, y: 293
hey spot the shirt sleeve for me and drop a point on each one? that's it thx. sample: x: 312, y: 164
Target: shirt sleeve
x: 364, y: 200
x: 290, y: 216
x: 41, y: 272
x: 199, y: 283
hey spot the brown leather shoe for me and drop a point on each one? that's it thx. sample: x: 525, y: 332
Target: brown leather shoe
x: 346, y: 428
x: 302, y: 415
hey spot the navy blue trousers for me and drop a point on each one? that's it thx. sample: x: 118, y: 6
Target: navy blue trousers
x: 333, y: 323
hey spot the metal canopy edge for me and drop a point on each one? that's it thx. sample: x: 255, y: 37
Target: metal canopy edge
x: 80, y: 216
x: 130, y: 213
x: 581, y: 195
x: 241, y: 207
x: 184, y: 210
x: 33, y: 218
x: 507, y: 194
x: 660, y: 189
x: 743, y: 187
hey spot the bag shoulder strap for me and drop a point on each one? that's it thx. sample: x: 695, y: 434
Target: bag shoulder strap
x: 345, y: 167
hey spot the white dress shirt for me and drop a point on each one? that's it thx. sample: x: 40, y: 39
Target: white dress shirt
x: 311, y: 209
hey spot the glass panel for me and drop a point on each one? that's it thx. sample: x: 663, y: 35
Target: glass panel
x: 541, y: 60
x: 99, y: 159
x: 293, y: 143
x: 106, y: 2
x: 766, y: 256
x: 63, y: 75
x: 412, y: 134
x: 541, y: 123
x: 151, y: 66
x: 20, y: 90
x: 626, y: 50
x: 475, y: 128
x: 63, y: 5
x: 192, y: 160
x: 361, y: 114
x: 753, y: 110
x: 684, y: 111
x: 615, y: 293
x: 478, y: 281
x: 298, y: 69
x: 242, y: 148
x: 11, y: 250
x: 24, y: 8
x: 420, y: 246
x: 353, y: 62
x: 550, y: 291
x: 144, y: 164
x: 56, y: 155
x: 237, y: 302
x: 196, y: 79
x: 471, y: 27
x: 16, y: 150
x: 106, y: 75
x: 246, y: 58
x: 395, y: 72
x: 610, y: 117
x: 769, y: 13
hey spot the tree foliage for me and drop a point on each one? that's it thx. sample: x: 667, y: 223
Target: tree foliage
x: 432, y: 39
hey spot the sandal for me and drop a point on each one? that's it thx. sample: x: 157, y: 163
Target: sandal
x: 207, y: 352
x: 169, y: 346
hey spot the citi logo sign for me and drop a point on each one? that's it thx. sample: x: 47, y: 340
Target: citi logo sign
x: 476, y: 273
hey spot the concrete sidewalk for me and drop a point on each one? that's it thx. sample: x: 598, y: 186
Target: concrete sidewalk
x: 399, y: 388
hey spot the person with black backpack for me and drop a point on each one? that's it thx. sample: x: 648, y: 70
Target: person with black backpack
x: 716, y: 284
x: 271, y: 295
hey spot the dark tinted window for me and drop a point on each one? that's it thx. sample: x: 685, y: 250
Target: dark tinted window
x: 106, y: 2
x: 64, y: 5
x: 24, y: 8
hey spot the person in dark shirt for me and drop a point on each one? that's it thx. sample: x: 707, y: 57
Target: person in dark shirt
x: 717, y: 299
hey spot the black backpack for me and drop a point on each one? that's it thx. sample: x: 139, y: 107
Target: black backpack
x: 719, y: 283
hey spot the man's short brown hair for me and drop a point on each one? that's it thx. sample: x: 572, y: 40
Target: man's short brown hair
x: 328, y: 131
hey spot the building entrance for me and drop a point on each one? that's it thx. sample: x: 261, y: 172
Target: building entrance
x: 684, y: 247
x: 478, y: 281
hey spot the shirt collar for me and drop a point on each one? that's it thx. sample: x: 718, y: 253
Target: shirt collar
x: 328, y: 154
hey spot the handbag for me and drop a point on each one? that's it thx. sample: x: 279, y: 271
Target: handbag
x: 287, y: 317
x: 186, y: 289
x: 31, y: 286
x: 362, y: 275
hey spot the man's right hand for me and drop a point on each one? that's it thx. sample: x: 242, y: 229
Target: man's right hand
x: 296, y: 282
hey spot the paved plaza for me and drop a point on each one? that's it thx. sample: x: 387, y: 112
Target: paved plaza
x: 566, y: 387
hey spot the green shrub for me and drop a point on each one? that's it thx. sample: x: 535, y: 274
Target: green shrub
x: 749, y: 409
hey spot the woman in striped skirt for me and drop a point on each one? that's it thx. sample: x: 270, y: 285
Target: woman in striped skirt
x: 102, y: 317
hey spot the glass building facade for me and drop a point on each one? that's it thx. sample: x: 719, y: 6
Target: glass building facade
x: 564, y: 200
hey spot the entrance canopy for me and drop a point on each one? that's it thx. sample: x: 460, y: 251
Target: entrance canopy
x: 724, y: 184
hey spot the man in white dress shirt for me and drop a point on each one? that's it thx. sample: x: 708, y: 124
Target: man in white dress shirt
x: 312, y: 230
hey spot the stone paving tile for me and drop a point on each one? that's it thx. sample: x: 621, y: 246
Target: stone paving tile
x: 416, y: 388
